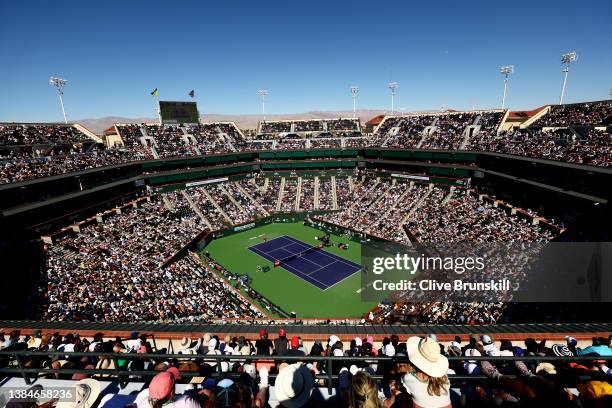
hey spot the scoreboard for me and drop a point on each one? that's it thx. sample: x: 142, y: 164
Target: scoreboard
x: 174, y: 112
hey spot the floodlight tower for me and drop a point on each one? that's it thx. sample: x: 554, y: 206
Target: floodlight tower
x: 566, y: 60
x: 392, y: 87
x: 59, y: 83
x: 354, y: 91
x: 506, y: 71
x: 263, y: 93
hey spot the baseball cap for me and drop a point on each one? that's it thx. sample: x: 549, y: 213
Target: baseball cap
x: 263, y: 332
x: 295, y: 342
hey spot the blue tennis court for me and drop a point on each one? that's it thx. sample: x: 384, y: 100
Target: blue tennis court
x: 319, y: 267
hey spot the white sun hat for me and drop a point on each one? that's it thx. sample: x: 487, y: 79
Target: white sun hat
x: 424, y: 353
x: 293, y: 386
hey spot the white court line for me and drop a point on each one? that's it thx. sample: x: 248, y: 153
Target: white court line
x: 333, y: 256
x: 343, y: 279
x: 364, y: 288
x: 298, y: 273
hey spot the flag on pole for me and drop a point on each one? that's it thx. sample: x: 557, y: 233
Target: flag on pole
x: 192, y: 93
x: 155, y: 92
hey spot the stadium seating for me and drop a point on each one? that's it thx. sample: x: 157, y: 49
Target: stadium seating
x: 333, y: 370
x: 133, y: 246
x: 573, y: 133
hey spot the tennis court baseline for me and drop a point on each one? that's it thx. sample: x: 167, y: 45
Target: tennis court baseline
x: 316, y: 266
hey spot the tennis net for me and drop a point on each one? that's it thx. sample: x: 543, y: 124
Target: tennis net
x: 298, y: 254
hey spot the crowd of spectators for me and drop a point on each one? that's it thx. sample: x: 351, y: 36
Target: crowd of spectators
x: 40, y: 134
x: 326, y: 200
x: 327, y: 128
x: 326, y: 143
x: 419, y: 371
x: 402, y: 131
x: 289, y: 195
x: 448, y: 132
x: 234, y: 212
x: 577, y: 114
x: 307, y: 194
x: 463, y: 217
x: 113, y: 270
x: 273, y: 127
x: 203, y: 201
x: 39, y: 150
x: 15, y: 169
x: 288, y: 143
x: 170, y: 141
x: 560, y: 144
x: 248, y: 205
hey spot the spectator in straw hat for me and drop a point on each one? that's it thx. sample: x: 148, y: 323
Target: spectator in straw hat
x: 293, y: 386
x: 427, y: 381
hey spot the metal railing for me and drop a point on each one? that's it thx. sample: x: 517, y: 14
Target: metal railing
x: 123, y: 375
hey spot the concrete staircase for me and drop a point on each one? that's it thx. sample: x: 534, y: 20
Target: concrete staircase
x: 281, y: 192
x: 196, y: 209
x: 351, y: 184
x: 189, y: 139
x: 217, y: 206
x: 231, y: 198
x: 417, y: 205
x: 298, y: 195
x: 399, y: 200
x: 334, y: 193
x: 472, y: 129
x: 316, y: 193
x: 167, y: 203
x: 143, y: 140
x: 250, y: 197
x: 449, y: 195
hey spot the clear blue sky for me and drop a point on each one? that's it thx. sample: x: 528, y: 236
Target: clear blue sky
x: 307, y: 53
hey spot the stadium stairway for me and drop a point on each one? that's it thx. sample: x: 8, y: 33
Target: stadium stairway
x: 449, y: 195
x: 316, y: 193
x: 217, y: 206
x: 250, y: 197
x: 426, y: 132
x: 351, y: 185
x: 167, y: 203
x: 298, y: 195
x: 189, y: 139
x: 535, y: 117
x: 472, y: 129
x: 399, y: 200
x: 148, y: 142
x: 231, y: 198
x: 281, y: 193
x: 417, y: 204
x: 88, y: 132
x: 334, y: 193
x: 196, y: 209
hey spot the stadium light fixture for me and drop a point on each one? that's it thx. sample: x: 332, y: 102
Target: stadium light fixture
x: 506, y: 71
x: 566, y: 60
x: 354, y: 91
x: 59, y: 83
x: 392, y: 88
x: 263, y: 93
